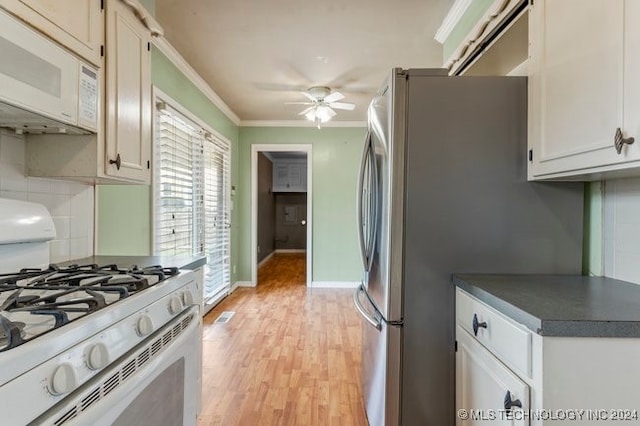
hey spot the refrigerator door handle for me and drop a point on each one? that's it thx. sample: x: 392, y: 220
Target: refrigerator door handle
x: 375, y: 321
x: 375, y: 207
x: 361, y: 236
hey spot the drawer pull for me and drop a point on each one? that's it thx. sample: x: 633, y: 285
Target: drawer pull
x: 477, y: 325
x: 508, y: 403
x: 619, y: 141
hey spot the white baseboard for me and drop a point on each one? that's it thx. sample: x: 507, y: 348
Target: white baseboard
x: 335, y: 284
x: 242, y: 284
x: 290, y: 251
x: 266, y: 259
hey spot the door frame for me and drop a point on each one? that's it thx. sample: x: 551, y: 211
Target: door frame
x: 255, y: 149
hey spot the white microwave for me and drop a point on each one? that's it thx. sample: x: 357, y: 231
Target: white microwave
x: 44, y: 88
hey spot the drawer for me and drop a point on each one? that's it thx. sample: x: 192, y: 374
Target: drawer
x: 508, y: 340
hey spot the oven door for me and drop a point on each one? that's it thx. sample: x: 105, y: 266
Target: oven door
x: 156, y: 383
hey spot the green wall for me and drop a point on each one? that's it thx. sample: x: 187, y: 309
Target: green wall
x: 127, y: 231
x: 123, y: 225
x: 592, y: 253
x: 336, y: 155
x: 335, y: 159
x: 150, y: 5
x: 468, y: 20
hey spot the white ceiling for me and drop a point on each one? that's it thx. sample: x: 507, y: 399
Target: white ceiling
x: 257, y: 55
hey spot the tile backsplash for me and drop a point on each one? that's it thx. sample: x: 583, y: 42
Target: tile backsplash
x: 71, y: 204
x: 621, y: 230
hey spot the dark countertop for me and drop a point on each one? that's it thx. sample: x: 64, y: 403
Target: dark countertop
x: 181, y: 262
x: 561, y: 305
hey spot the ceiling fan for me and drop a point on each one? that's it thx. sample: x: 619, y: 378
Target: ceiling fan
x: 322, y: 103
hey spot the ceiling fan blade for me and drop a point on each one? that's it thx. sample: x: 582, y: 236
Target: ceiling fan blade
x: 343, y: 105
x: 335, y: 96
x: 305, y: 111
x: 331, y: 112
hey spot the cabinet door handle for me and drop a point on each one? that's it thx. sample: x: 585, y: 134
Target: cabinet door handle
x: 619, y: 141
x: 477, y: 325
x: 117, y: 161
x: 509, y: 403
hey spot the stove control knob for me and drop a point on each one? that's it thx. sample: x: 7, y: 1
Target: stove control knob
x: 144, y: 326
x: 97, y: 356
x: 63, y: 379
x: 175, y: 305
x: 187, y: 298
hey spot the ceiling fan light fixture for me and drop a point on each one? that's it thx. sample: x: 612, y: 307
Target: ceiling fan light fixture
x: 322, y: 102
x: 311, y: 114
x: 324, y: 113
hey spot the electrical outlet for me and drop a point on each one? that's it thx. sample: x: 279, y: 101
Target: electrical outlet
x: 234, y: 269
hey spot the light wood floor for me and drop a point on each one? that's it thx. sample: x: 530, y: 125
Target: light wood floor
x: 289, y: 356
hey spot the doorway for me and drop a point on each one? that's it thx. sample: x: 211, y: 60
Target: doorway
x: 281, y: 204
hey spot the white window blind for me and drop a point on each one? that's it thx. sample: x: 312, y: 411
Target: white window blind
x: 192, y: 187
x: 174, y: 184
x: 217, y: 221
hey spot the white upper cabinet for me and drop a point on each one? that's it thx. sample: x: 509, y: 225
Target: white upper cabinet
x: 120, y: 151
x: 584, y: 63
x: 128, y: 94
x: 631, y: 105
x: 289, y: 176
x: 76, y: 24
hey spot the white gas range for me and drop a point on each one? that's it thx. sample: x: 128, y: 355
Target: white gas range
x: 89, y: 344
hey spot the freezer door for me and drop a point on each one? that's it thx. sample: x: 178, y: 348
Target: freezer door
x: 374, y: 358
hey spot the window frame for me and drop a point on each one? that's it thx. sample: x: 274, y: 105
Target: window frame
x: 216, y: 139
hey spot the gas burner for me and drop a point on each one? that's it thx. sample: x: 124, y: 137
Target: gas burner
x: 36, y: 301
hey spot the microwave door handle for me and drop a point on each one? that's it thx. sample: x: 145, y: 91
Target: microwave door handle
x: 374, y: 321
x: 361, y: 236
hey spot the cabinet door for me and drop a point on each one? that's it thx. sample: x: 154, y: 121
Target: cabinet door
x: 482, y: 386
x: 631, y: 122
x: 576, y: 84
x: 303, y: 171
x: 76, y: 24
x: 295, y: 177
x: 281, y: 177
x: 128, y: 129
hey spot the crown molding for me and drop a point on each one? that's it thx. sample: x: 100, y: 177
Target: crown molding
x: 451, y: 20
x: 178, y: 60
x: 300, y: 123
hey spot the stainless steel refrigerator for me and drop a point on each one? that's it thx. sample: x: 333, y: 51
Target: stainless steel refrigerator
x: 443, y: 189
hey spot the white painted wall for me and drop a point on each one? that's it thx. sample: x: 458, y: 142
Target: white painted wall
x: 621, y: 229
x: 70, y: 203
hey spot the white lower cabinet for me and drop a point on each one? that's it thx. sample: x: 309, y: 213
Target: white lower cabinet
x: 573, y: 380
x: 487, y: 392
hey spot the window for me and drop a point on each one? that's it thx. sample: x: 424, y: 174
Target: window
x: 192, y: 195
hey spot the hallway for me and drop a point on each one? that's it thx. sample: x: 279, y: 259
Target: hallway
x: 290, y: 355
